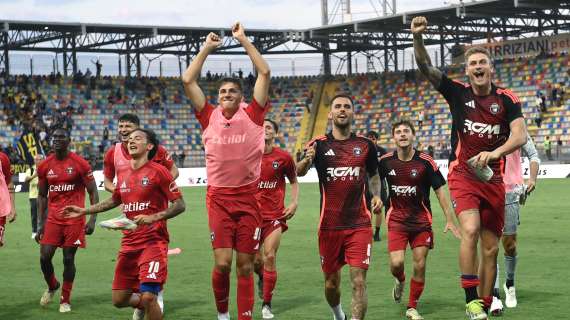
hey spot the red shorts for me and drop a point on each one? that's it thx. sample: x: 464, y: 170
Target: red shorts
x: 398, y: 240
x: 235, y: 222
x: 64, y: 236
x: 268, y: 226
x: 2, y: 229
x: 488, y: 198
x: 340, y: 247
x: 148, y: 265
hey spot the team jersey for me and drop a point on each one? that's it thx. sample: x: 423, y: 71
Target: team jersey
x: 513, y: 168
x: 275, y: 166
x: 109, y: 168
x: 5, y: 179
x: 409, y: 185
x: 145, y: 191
x: 342, y: 166
x: 66, y: 181
x: 480, y: 123
x: 233, y: 147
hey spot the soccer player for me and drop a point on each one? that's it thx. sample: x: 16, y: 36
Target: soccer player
x: 233, y: 139
x: 144, y: 190
x: 63, y: 178
x: 516, y: 193
x: 373, y: 135
x: 342, y: 160
x: 7, y: 206
x: 275, y: 166
x: 117, y: 157
x: 410, y: 174
x: 487, y: 125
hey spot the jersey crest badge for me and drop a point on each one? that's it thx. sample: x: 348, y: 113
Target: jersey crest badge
x: 275, y: 164
x: 494, y: 108
x: 69, y: 170
x: 357, y: 151
x: 145, y: 181
x: 414, y: 173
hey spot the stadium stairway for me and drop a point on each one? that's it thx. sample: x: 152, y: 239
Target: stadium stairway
x: 321, y: 120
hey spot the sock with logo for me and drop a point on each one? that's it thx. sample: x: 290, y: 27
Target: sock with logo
x: 245, y: 297
x: 221, y: 288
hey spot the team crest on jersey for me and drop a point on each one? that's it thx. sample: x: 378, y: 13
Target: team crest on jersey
x: 357, y: 151
x: 414, y: 173
x: 275, y: 164
x: 69, y: 170
x: 145, y: 181
x: 494, y: 108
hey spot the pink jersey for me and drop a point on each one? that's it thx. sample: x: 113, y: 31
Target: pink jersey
x: 275, y: 166
x: 66, y: 181
x: 513, y: 171
x: 5, y: 177
x: 234, y: 147
x: 145, y: 191
x: 117, y: 158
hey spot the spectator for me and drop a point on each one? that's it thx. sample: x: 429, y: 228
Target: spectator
x: 106, y: 133
x: 182, y: 158
x: 547, y: 144
x: 240, y: 74
x: 558, y: 147
x: 431, y: 151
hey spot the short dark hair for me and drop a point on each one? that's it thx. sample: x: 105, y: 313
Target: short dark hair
x: 235, y: 81
x: 342, y: 95
x: 405, y: 122
x: 152, y: 139
x: 67, y: 132
x: 372, y: 134
x: 275, y: 126
x: 130, y: 117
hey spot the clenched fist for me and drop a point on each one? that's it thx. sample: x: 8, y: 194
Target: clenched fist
x: 419, y: 25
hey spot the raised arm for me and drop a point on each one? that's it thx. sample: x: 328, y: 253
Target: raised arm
x: 261, y: 88
x: 191, y: 75
x: 418, y: 27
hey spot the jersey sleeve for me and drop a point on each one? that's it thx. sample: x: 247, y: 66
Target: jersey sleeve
x: 450, y: 89
x: 371, y: 159
x: 203, y: 116
x: 290, y: 169
x: 117, y: 195
x: 256, y: 112
x: 86, y: 172
x: 435, y: 177
x: 513, y: 106
x: 529, y: 150
x: 109, y: 164
x: 163, y: 157
x: 6, y: 168
x: 42, y: 178
x: 168, y: 185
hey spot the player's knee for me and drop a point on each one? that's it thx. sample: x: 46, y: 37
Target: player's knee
x: 147, y: 298
x: 420, y: 265
x: 269, y: 258
x: 223, y: 266
x: 491, y: 251
x: 358, y: 283
x: 510, y: 247
x: 331, y: 285
x: 68, y: 260
x: 120, y: 301
x: 245, y: 269
x: 470, y: 232
x: 397, y: 265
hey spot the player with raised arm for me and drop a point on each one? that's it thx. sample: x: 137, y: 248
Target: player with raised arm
x: 342, y: 160
x: 487, y: 126
x: 410, y: 174
x: 233, y: 138
x: 145, y: 190
x: 275, y: 166
x: 516, y: 194
x: 7, y: 206
x: 63, y: 178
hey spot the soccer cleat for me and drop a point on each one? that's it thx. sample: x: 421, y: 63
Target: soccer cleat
x: 376, y: 237
x: 119, y: 223
x: 47, y: 297
x: 510, y: 296
x: 224, y: 316
x: 398, y: 291
x: 64, y: 307
x: 474, y: 310
x: 138, y: 314
x: 160, y: 300
x: 260, y: 288
x: 496, y: 307
x: 413, y: 314
x: 34, y: 236
x: 266, y: 312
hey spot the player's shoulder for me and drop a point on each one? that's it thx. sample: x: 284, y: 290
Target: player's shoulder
x: 455, y: 82
x: 427, y: 159
x: 158, y: 168
x: 4, y: 157
x: 507, y: 94
x: 45, y: 163
x: 387, y: 155
x: 316, y: 140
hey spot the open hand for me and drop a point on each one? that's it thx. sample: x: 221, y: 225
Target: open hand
x: 289, y: 212
x: 71, y: 212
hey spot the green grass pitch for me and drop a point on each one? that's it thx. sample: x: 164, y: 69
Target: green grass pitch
x: 542, y: 283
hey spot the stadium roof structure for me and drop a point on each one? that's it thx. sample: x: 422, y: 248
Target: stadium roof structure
x: 448, y: 26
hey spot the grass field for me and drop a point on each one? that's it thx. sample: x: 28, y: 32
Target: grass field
x: 542, y: 284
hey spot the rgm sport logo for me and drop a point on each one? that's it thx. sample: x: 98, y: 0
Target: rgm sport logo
x: 343, y: 173
x: 482, y: 129
x: 404, y: 190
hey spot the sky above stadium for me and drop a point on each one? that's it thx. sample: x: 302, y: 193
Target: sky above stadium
x: 282, y: 14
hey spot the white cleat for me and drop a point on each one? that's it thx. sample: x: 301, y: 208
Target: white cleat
x: 496, y: 307
x: 47, y: 297
x: 266, y: 312
x: 413, y: 314
x: 224, y: 316
x: 138, y: 314
x: 119, y: 223
x: 64, y: 307
x: 34, y: 235
x: 398, y: 290
x: 510, y: 296
x: 160, y: 300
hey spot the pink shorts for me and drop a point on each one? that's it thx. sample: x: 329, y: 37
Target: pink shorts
x: 398, y: 240
x: 268, y: 226
x: 340, y: 247
x: 235, y: 222
x: 148, y: 265
x: 488, y: 198
x: 64, y: 236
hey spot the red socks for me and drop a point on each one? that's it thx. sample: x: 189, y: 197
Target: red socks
x: 487, y: 301
x: 245, y: 297
x: 416, y: 289
x: 66, y: 291
x: 51, y: 282
x: 269, y: 281
x: 221, y: 288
